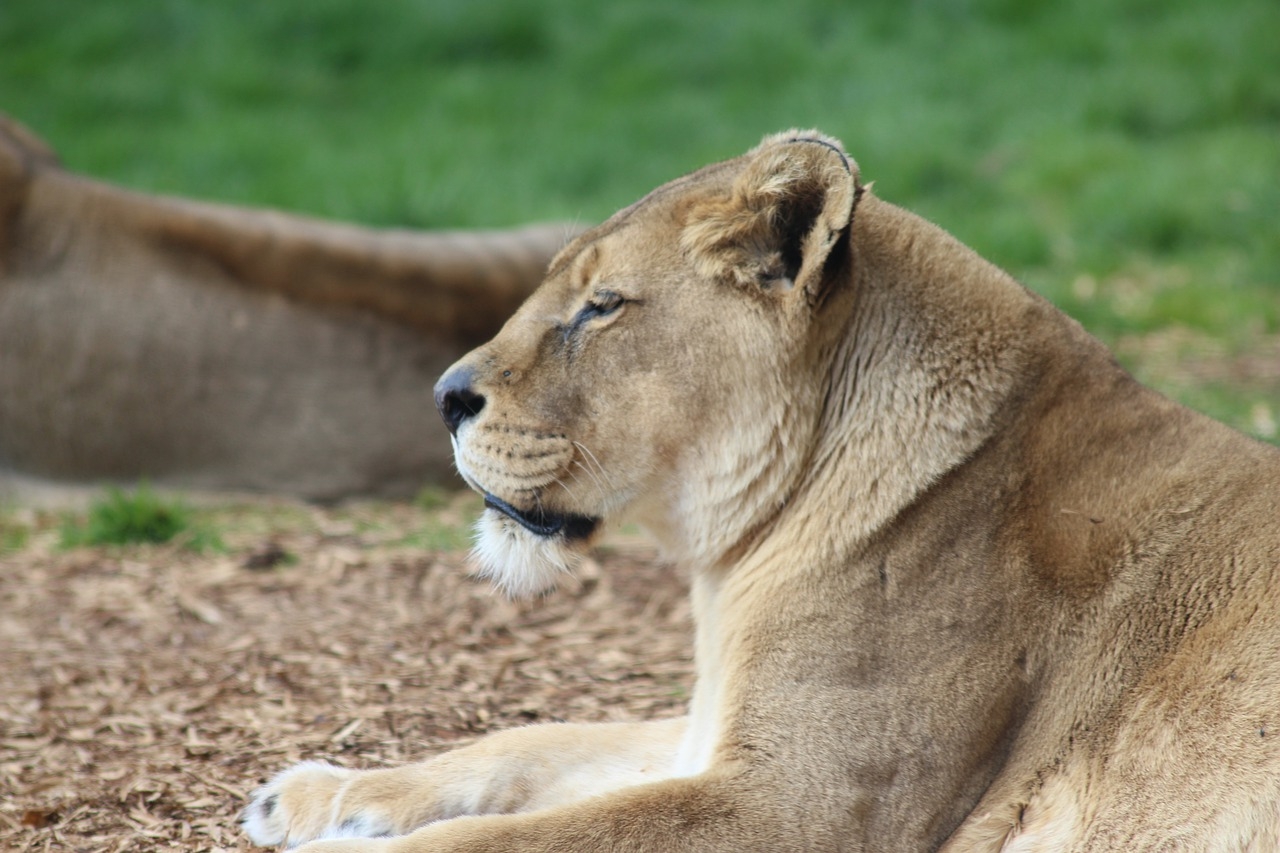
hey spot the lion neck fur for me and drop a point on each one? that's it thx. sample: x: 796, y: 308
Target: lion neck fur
x: 895, y: 348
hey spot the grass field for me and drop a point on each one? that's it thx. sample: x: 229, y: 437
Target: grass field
x: 1120, y: 156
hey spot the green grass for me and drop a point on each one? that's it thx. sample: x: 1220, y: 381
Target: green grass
x: 438, y: 536
x: 433, y: 498
x: 447, y: 521
x: 13, y: 535
x: 1133, y: 142
x: 138, y: 517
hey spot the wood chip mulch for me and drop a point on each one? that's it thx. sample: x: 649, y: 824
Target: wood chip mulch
x: 145, y: 691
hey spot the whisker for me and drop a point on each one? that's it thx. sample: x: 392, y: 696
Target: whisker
x: 573, y: 472
x: 603, y: 473
x: 595, y: 479
x: 565, y: 486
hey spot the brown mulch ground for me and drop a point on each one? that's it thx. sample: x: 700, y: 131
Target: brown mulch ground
x: 145, y: 691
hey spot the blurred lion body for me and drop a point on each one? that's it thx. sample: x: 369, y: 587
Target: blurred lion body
x: 210, y: 346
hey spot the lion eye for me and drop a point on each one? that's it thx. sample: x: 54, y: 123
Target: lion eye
x: 602, y: 304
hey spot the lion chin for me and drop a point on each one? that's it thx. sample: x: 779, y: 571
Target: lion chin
x: 519, y: 562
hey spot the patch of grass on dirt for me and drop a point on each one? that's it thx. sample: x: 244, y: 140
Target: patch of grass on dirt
x: 432, y: 497
x: 436, y: 536
x: 446, y: 522
x: 13, y: 535
x: 140, y: 516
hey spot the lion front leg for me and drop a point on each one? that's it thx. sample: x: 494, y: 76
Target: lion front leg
x: 712, y: 813
x: 513, y: 771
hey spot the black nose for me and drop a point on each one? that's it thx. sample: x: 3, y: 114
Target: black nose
x: 456, y: 399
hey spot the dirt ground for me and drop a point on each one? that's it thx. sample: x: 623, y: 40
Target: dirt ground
x: 145, y: 691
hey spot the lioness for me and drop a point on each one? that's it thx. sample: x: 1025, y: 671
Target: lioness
x: 960, y: 582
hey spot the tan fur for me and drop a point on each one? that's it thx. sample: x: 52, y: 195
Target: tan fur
x: 211, y: 346
x: 960, y: 583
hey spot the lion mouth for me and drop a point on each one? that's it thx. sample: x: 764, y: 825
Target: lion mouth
x: 542, y: 523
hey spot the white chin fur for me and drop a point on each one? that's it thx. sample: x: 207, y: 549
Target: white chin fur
x: 520, y: 563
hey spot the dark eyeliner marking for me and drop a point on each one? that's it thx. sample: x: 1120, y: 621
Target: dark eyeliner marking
x: 602, y: 304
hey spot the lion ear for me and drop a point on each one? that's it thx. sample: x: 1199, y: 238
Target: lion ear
x: 788, y: 208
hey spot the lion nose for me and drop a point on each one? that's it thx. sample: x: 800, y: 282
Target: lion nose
x: 456, y: 399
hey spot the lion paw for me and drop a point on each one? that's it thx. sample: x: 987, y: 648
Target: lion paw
x: 304, y: 803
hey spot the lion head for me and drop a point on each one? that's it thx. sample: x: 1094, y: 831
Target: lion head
x: 663, y: 372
